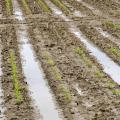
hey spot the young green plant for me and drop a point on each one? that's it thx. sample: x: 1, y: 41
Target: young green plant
x: 60, y: 5
x: 61, y: 87
x: 115, y: 51
x: 26, y: 7
x: 15, y: 76
x: 113, y: 25
x: 9, y: 6
x: 44, y: 6
x: 81, y: 53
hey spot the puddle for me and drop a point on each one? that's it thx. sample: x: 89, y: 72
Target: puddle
x: 17, y: 11
x: 38, y: 86
x: 36, y: 80
x: 109, y: 66
x: 2, y: 107
x: 105, y: 34
x: 77, y: 14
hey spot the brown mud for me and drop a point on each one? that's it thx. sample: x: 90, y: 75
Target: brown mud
x: 83, y: 72
x: 15, y: 110
x: 112, y: 28
x: 105, y: 44
x: 81, y: 89
x: 87, y: 27
x: 109, y: 7
x: 79, y: 7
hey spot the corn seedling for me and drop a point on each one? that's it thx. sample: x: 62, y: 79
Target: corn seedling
x: 44, y: 6
x: 99, y: 74
x: 81, y: 53
x: 56, y: 73
x: 115, y: 51
x: 111, y: 85
x: 26, y: 7
x: 113, y: 25
x: 60, y: 5
x: 116, y: 92
x: 9, y: 6
x: 66, y: 92
x: 50, y: 62
x: 15, y: 76
x: 54, y: 70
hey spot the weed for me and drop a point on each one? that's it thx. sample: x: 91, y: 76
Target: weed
x: 44, y: 6
x: 26, y: 7
x: 61, y: 5
x: 9, y: 6
x: 15, y: 76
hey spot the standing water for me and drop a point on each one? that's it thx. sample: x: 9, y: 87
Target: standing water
x: 109, y: 66
x: 2, y: 108
x: 40, y: 92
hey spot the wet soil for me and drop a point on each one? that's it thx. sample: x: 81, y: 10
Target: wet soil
x: 112, y: 28
x: 35, y: 8
x: 22, y: 110
x: 2, y: 3
x: 0, y: 9
x: 97, y: 99
x: 91, y: 94
x: 106, y: 44
x: 32, y: 5
x: 109, y: 7
x: 79, y: 7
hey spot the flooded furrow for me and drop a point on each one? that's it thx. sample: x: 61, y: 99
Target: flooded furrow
x: 2, y: 107
x: 109, y: 66
x: 17, y: 11
x: 38, y: 86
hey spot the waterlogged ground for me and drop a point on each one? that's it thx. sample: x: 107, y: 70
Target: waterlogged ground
x: 60, y: 60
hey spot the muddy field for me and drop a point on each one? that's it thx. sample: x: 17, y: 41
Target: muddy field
x: 60, y: 60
